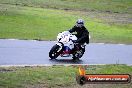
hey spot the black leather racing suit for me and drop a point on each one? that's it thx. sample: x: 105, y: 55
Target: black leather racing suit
x: 82, y: 34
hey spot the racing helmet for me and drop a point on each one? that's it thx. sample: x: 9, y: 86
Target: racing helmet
x: 80, y: 23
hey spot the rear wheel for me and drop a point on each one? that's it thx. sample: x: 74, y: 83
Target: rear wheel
x: 53, y: 54
x: 75, y: 58
x: 78, y: 54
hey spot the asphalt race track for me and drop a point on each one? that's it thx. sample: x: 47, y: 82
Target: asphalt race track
x: 30, y: 52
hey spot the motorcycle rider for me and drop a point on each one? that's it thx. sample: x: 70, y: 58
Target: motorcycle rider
x: 82, y: 33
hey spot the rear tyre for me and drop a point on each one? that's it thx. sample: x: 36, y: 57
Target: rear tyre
x: 53, y: 54
x: 75, y: 58
x: 78, y: 54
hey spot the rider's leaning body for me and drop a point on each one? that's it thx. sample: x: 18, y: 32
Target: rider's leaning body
x: 82, y: 33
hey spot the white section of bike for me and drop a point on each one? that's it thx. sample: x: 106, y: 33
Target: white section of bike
x: 66, y: 38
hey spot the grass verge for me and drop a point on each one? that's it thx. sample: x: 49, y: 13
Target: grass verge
x: 44, y: 19
x: 57, y: 76
x: 115, y: 6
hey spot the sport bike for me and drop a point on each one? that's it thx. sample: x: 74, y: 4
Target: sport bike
x: 65, y: 47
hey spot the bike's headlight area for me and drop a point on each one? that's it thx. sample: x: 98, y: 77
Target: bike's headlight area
x: 65, y: 40
x: 62, y: 38
x: 65, y: 37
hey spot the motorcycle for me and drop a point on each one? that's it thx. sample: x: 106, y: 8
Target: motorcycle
x: 65, y: 47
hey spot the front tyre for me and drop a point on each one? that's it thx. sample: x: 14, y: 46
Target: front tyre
x: 53, y: 54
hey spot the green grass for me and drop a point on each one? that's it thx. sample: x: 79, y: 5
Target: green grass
x: 21, y: 19
x: 120, y: 6
x: 109, y: 69
x: 55, y: 76
x: 32, y: 23
x: 48, y: 76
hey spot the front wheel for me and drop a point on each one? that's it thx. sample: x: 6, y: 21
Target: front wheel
x: 53, y: 54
